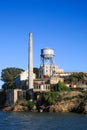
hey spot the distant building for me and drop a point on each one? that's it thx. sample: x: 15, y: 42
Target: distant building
x: 65, y: 74
x: 49, y: 70
x: 82, y: 85
x: 45, y: 84
x: 21, y: 78
x: 42, y: 85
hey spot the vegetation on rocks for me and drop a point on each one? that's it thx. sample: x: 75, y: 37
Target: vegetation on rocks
x: 61, y: 87
x: 27, y: 103
x: 72, y: 101
x: 76, y: 77
x: 50, y: 97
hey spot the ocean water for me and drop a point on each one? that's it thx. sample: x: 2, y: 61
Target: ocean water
x: 42, y: 121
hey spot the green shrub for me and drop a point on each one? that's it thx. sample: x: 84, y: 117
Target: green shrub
x: 27, y: 103
x: 51, y: 97
x: 30, y: 104
x: 61, y: 87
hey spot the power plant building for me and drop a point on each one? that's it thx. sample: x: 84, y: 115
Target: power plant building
x: 48, y: 71
x: 27, y: 82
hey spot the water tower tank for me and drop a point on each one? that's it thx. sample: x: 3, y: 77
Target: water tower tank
x: 47, y: 53
x: 47, y: 56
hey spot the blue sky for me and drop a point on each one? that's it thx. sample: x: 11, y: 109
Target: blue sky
x: 58, y: 24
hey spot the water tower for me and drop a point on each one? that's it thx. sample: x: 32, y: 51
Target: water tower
x: 47, y: 56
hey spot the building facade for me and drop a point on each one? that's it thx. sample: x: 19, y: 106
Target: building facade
x: 49, y: 70
x: 20, y: 79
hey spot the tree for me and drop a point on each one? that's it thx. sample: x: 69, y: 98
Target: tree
x: 8, y: 75
x: 74, y: 78
x: 61, y: 87
x: 51, y: 97
x: 80, y: 76
x: 36, y: 71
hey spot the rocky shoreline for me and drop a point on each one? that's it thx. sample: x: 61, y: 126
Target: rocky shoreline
x: 73, y: 101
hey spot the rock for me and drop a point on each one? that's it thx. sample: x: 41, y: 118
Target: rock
x: 20, y: 108
x: 63, y: 106
x: 34, y: 107
x: 9, y: 108
x: 85, y: 108
x: 41, y: 110
x: 80, y: 108
x: 72, y: 94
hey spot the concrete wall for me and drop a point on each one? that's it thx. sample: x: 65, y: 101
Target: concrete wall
x: 2, y: 98
x: 14, y: 95
x: 55, y: 80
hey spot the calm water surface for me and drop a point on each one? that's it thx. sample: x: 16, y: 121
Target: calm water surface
x: 42, y: 121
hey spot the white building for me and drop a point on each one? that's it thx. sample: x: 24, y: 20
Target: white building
x: 49, y: 70
x: 21, y: 78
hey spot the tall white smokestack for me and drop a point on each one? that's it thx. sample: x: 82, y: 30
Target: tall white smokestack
x: 30, y: 63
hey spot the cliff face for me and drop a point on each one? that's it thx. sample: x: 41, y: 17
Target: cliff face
x: 63, y: 106
x: 73, y: 101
